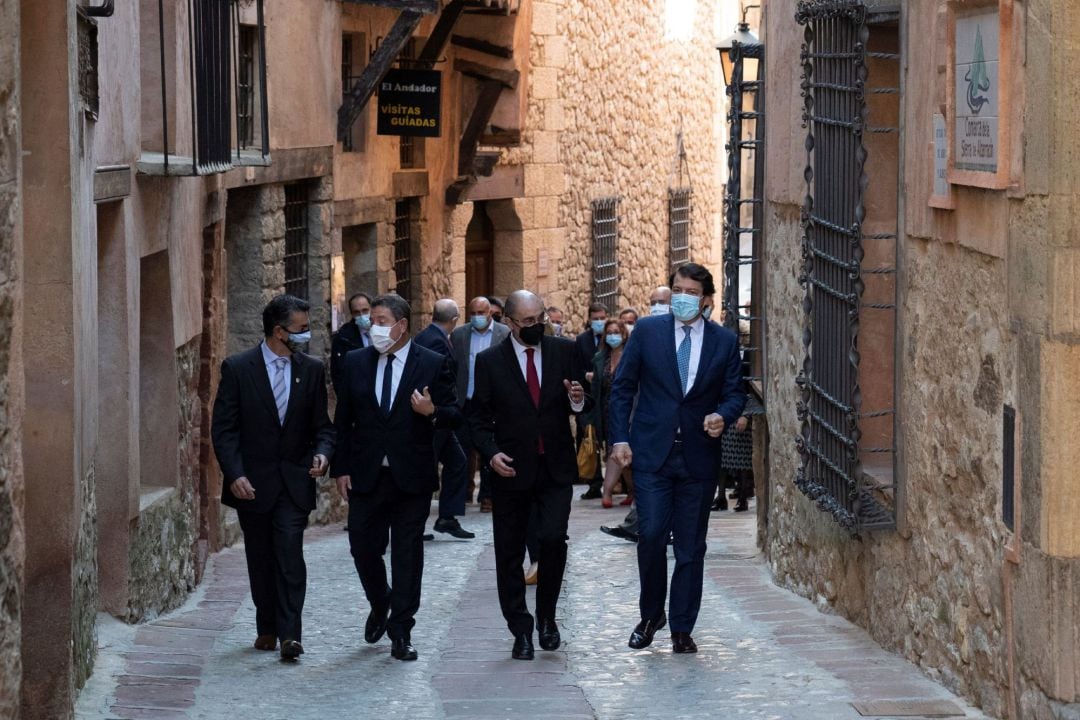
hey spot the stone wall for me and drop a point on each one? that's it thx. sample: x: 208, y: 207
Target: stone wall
x: 11, y: 479
x: 612, y: 85
x: 254, y: 247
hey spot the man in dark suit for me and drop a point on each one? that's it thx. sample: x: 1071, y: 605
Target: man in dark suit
x: 467, y: 342
x: 527, y: 387
x: 272, y: 437
x: 587, y: 343
x: 352, y: 335
x: 686, y: 375
x: 396, y: 395
x: 455, y: 466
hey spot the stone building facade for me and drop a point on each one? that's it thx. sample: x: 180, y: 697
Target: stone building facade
x: 974, y: 581
x: 165, y: 216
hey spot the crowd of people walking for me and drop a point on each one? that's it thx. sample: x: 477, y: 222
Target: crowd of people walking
x: 653, y: 407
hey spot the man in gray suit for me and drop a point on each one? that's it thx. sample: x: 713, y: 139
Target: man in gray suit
x: 478, y: 333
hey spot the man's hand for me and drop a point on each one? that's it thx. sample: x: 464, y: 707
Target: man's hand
x: 621, y: 454
x: 742, y: 423
x: 575, y: 391
x: 344, y: 485
x: 241, y: 489
x: 714, y: 425
x: 319, y: 464
x: 422, y: 403
x: 500, y: 463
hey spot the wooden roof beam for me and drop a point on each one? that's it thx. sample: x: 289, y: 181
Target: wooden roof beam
x: 425, y: 7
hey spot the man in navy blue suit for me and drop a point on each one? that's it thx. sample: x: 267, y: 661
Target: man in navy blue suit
x: 688, y: 387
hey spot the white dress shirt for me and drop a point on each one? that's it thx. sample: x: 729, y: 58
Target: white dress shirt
x: 400, y: 356
x: 697, y: 337
x: 270, y: 358
x: 523, y: 362
x: 478, y: 343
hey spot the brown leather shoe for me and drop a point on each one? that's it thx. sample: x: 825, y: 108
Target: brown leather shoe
x: 485, y: 505
x: 291, y: 649
x: 266, y: 642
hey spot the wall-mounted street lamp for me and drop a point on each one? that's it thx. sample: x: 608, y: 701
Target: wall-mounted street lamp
x: 741, y: 37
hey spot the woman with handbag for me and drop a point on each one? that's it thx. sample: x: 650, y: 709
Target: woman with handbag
x: 605, y: 363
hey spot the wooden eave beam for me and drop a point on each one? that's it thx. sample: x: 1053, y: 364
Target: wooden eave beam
x: 436, y: 42
x: 478, y: 122
x: 425, y: 7
x: 376, y: 70
x: 483, y: 73
x: 483, y: 46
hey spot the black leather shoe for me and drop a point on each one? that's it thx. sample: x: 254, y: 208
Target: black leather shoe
x: 523, y: 647
x: 643, y: 634
x: 720, y: 503
x: 682, y: 643
x: 742, y: 505
x: 291, y: 649
x: 375, y: 625
x: 453, y: 527
x: 549, y: 635
x: 591, y: 494
x: 620, y: 532
x: 402, y: 649
x: 428, y: 537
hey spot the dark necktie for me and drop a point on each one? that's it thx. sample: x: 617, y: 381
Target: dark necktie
x: 387, y: 387
x: 532, y: 379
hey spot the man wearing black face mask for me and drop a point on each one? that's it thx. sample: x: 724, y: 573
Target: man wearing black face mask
x: 527, y: 386
x: 272, y: 438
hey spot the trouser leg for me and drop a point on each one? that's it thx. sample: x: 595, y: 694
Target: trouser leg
x: 510, y: 519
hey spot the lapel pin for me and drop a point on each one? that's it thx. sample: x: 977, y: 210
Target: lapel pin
x: 297, y: 381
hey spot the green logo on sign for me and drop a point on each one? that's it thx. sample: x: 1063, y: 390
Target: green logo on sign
x: 977, y: 79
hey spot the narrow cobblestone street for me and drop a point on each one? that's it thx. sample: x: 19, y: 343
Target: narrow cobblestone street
x: 764, y: 652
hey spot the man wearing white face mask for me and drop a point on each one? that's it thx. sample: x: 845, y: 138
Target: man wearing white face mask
x: 468, y: 341
x: 681, y: 378
x: 660, y: 301
x: 395, y: 396
x: 272, y: 438
x: 350, y: 336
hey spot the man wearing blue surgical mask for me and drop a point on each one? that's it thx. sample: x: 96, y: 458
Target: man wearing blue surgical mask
x: 352, y: 335
x: 479, y: 332
x: 587, y: 343
x: 681, y: 378
x: 273, y: 438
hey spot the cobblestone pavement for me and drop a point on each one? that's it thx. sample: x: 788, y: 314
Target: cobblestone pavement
x: 763, y: 652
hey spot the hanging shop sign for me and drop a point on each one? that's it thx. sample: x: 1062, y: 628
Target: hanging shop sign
x: 409, y: 103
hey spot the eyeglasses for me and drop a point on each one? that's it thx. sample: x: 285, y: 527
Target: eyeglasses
x: 529, y: 321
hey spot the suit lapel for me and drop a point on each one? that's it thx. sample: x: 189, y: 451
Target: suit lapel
x: 405, y: 385
x: 262, y: 381
x: 297, y: 385
x: 708, y: 349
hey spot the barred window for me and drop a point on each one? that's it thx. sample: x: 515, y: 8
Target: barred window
x: 605, y: 244
x: 404, y: 215
x: 353, y: 61
x: 247, y: 41
x: 679, y: 206
x: 296, y: 241
x: 851, y: 108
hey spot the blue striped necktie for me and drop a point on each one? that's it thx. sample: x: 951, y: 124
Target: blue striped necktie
x: 683, y: 356
x: 281, y: 389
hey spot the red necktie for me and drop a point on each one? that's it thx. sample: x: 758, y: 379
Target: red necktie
x: 532, y: 378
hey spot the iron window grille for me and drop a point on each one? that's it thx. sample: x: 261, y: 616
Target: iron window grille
x: 403, y: 224
x: 353, y: 54
x: 296, y: 241
x: 88, y: 63
x: 835, y: 112
x: 679, y: 207
x: 247, y: 41
x: 743, y: 222
x: 605, y: 245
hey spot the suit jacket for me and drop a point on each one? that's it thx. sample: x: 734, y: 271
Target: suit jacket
x: 459, y: 342
x: 249, y: 441
x: 405, y: 437
x: 504, y: 418
x: 648, y: 369
x: 433, y: 338
x: 587, y: 346
x: 346, y: 339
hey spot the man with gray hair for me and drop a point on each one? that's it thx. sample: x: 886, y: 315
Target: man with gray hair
x: 527, y: 387
x: 455, y: 466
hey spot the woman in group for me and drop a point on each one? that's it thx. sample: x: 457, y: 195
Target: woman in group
x: 605, y: 363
